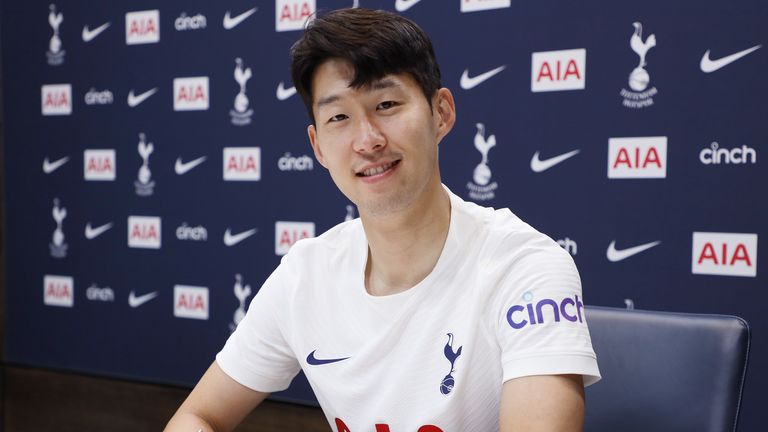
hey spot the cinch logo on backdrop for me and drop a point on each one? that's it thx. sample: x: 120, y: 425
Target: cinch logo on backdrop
x: 288, y: 233
x: 569, y: 245
x: 242, y: 163
x: 639, y: 157
x: 295, y: 163
x: 94, y: 97
x: 480, y: 5
x: 190, y: 94
x: 144, y: 232
x: 186, y: 232
x: 724, y: 254
x: 94, y: 293
x: 99, y: 165
x: 715, y: 155
x: 519, y: 316
x: 190, y: 302
x: 559, y: 70
x: 58, y: 291
x: 293, y: 14
x: 185, y: 22
x: 56, y: 99
x: 142, y: 27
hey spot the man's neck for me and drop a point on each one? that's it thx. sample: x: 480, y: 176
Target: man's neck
x: 403, y: 248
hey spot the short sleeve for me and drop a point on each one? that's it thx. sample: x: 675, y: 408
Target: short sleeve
x: 540, y: 325
x: 257, y: 354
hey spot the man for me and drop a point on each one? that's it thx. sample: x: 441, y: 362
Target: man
x: 428, y: 313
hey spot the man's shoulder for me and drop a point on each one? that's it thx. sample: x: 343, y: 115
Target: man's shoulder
x: 338, y: 239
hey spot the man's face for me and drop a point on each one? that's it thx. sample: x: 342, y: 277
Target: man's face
x: 379, y: 142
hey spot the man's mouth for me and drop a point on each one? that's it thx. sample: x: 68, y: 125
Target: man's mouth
x: 368, y: 172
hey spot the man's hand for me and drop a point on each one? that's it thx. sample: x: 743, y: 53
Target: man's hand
x: 217, y: 403
x: 543, y: 403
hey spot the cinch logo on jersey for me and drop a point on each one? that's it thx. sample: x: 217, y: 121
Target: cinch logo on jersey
x: 559, y: 70
x: 55, y: 54
x: 714, y: 155
x: 295, y: 163
x: 724, y: 254
x: 99, y: 165
x: 481, y: 188
x: 190, y: 94
x: 56, y: 99
x: 142, y: 27
x: 242, y: 163
x: 288, y: 233
x: 190, y: 302
x: 94, y: 97
x: 480, y: 5
x: 519, y: 316
x: 569, y: 245
x: 186, y: 232
x: 144, y: 232
x: 184, y: 22
x: 293, y: 14
x: 640, y: 96
x: 58, y: 291
x: 640, y: 157
x: 94, y: 293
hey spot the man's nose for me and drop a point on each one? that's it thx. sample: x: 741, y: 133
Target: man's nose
x: 369, y: 137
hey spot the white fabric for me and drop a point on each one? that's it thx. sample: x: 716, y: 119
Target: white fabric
x: 397, y: 346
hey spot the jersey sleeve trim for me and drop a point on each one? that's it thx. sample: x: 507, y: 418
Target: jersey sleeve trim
x: 553, y: 364
x: 253, y: 380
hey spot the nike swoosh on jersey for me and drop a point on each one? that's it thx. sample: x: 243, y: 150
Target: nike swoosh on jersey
x: 134, y: 301
x: 89, y: 35
x: 233, y: 239
x: 182, y: 168
x: 538, y: 165
x: 708, y: 66
x: 92, y: 233
x: 134, y: 100
x: 49, y: 167
x: 284, y: 93
x: 468, y: 82
x: 314, y: 361
x: 404, y: 5
x: 615, y: 255
x: 230, y: 23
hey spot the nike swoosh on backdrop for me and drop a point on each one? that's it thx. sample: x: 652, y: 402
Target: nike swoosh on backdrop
x: 230, y: 23
x: 538, y: 165
x: 49, y: 167
x: 92, y: 233
x: 89, y: 35
x: 231, y: 240
x: 707, y: 65
x: 134, y: 301
x: 134, y: 100
x: 314, y: 361
x: 284, y: 93
x: 614, y: 255
x: 182, y: 168
x: 468, y: 83
x: 404, y: 5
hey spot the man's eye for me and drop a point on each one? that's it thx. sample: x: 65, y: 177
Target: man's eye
x: 337, y: 118
x: 386, y: 105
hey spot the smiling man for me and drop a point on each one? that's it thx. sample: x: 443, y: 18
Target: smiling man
x: 428, y: 313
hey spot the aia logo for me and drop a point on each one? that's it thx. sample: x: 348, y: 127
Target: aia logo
x: 383, y: 427
x: 144, y: 232
x: 58, y: 291
x: 479, y: 5
x: 142, y: 27
x: 190, y: 94
x: 724, y: 254
x: 288, y: 233
x: 190, y: 302
x: 293, y: 14
x: 99, y: 165
x: 56, y: 99
x: 639, y: 157
x: 558, y: 70
x: 242, y: 163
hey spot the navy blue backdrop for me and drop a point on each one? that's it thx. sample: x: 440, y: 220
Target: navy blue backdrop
x: 157, y: 164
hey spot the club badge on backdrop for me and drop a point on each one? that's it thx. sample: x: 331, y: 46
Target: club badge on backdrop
x: 145, y: 186
x: 241, y: 114
x: 640, y: 96
x: 481, y: 188
x: 58, y: 246
x: 241, y: 292
x: 55, y: 52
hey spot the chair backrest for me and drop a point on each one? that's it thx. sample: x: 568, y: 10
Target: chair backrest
x: 666, y: 371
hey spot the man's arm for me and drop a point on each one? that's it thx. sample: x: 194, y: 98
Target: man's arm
x: 217, y: 403
x: 543, y: 403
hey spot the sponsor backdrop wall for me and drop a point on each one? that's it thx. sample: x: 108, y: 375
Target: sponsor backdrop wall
x: 157, y: 163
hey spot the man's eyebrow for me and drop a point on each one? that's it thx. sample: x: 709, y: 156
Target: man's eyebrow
x: 327, y: 100
x: 381, y: 84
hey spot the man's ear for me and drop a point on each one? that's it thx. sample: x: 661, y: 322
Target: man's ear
x: 312, y: 133
x: 445, y: 108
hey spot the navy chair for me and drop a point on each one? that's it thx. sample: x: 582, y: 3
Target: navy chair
x: 666, y: 371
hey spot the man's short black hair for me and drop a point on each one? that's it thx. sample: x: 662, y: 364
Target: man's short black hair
x: 375, y: 42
